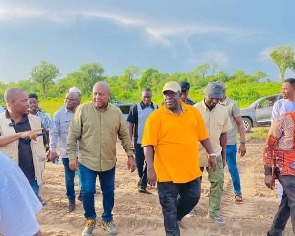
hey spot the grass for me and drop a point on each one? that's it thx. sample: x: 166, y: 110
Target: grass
x: 257, y: 133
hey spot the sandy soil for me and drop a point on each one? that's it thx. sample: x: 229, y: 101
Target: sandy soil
x: 140, y: 214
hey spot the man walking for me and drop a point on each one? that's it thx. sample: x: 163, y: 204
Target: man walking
x: 217, y: 123
x: 137, y: 118
x: 170, y: 142
x: 282, y: 106
x: 21, y: 137
x: 231, y: 147
x: 279, y: 163
x: 96, y: 125
x: 59, y: 131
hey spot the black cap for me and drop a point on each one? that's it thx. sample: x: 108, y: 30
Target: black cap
x: 184, y: 86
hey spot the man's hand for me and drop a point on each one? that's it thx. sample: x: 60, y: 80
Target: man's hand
x: 151, y: 176
x: 212, y: 163
x: 224, y: 162
x: 53, y: 156
x: 242, y: 150
x: 74, y: 164
x: 31, y: 134
x: 131, y: 164
x: 269, y: 181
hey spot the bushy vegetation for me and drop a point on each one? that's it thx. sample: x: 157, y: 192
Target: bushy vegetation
x: 242, y: 87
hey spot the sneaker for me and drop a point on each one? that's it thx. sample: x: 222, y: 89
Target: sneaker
x: 80, y: 197
x: 217, y: 219
x: 42, y: 201
x: 109, y: 227
x: 90, y: 224
x: 71, y: 207
x: 191, y: 214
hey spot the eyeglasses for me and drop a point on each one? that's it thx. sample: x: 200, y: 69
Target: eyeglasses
x: 214, y: 98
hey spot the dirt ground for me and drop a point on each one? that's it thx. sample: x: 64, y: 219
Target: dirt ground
x: 139, y: 214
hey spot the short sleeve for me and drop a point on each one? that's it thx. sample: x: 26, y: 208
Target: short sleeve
x: 236, y: 110
x: 202, y: 130
x: 132, y: 116
x: 151, y: 128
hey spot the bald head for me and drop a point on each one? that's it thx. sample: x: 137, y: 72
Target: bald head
x: 101, y: 94
x: 13, y: 94
x: 17, y: 101
x: 102, y: 85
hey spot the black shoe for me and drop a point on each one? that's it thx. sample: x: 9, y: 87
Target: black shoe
x: 71, y: 207
x: 141, y: 190
x: 80, y: 197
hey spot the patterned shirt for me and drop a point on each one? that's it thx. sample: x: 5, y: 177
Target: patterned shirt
x: 45, y: 119
x: 279, y: 150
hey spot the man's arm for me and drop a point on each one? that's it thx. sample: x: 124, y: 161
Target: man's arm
x: 149, y: 158
x: 53, y: 136
x: 242, y: 146
x: 131, y: 129
x: 223, y: 142
x: 32, y: 134
x: 212, y: 156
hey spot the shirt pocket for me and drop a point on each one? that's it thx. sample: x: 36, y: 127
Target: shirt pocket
x: 64, y: 126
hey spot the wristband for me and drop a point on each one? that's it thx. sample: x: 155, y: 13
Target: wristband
x: 242, y: 142
x: 212, y: 155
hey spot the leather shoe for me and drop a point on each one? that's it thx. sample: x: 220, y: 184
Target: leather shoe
x: 140, y: 190
x: 71, y: 207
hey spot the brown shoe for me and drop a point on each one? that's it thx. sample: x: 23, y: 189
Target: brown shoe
x: 71, y: 207
x: 238, y: 199
x: 140, y: 190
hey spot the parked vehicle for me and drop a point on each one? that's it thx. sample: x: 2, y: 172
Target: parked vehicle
x: 259, y: 112
x: 125, y: 108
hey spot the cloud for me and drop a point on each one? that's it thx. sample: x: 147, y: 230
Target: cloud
x: 210, y: 57
x: 158, y: 31
x: 264, y: 54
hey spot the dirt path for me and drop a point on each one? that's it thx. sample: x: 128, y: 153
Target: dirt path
x: 137, y: 214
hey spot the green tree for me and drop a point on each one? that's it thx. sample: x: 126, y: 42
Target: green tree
x: 43, y: 75
x: 292, y: 66
x: 283, y: 56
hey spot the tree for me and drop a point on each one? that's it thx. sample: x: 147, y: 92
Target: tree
x: 283, y: 56
x: 292, y: 66
x: 44, y: 74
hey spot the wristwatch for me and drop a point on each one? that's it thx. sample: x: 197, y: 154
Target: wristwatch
x: 212, y: 155
x: 242, y: 142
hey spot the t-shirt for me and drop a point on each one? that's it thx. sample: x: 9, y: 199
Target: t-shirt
x: 18, y: 203
x: 175, y: 139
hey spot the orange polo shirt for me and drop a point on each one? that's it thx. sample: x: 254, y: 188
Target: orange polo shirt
x: 175, y: 139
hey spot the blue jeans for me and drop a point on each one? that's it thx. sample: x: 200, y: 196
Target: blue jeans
x: 287, y: 206
x: 107, y: 185
x: 35, y: 187
x: 231, y: 160
x: 69, y: 180
x: 141, y: 165
x: 177, y: 200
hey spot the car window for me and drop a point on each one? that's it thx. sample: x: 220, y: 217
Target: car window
x: 267, y: 102
x: 125, y: 109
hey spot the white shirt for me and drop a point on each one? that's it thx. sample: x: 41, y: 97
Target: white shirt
x: 18, y: 203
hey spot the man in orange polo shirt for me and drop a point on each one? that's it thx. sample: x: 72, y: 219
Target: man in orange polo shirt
x: 170, y: 141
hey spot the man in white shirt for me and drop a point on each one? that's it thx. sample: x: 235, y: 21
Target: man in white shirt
x: 18, y: 202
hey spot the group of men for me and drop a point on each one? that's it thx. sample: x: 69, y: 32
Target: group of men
x: 167, y: 151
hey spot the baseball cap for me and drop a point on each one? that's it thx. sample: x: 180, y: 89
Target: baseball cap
x: 213, y: 90
x: 172, y: 86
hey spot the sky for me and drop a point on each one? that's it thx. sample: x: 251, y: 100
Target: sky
x: 171, y: 36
